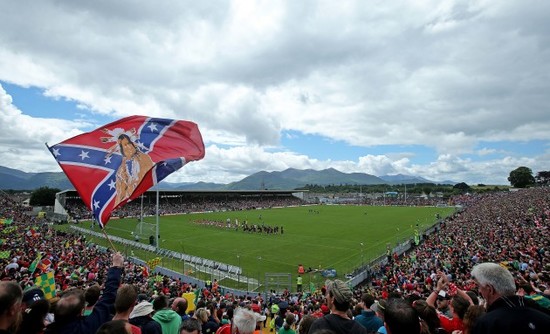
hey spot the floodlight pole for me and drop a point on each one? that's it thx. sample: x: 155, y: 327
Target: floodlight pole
x: 259, y: 273
x: 157, y: 236
x: 239, y: 272
x: 182, y: 258
x: 362, y: 257
x: 141, y: 211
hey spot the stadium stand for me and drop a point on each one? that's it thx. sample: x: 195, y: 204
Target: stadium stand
x: 507, y: 228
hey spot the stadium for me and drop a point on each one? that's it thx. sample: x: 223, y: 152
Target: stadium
x: 190, y: 216
x: 281, y: 167
x: 414, y: 244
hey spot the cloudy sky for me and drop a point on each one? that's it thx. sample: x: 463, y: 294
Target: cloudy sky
x: 446, y: 90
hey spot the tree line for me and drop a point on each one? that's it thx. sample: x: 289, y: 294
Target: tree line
x: 520, y: 177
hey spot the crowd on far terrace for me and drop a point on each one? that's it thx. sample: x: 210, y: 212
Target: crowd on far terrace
x: 178, y: 205
x: 507, y: 228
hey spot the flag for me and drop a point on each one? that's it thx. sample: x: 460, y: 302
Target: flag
x: 190, y: 297
x: 34, y: 263
x: 6, y: 221
x: 47, y: 283
x: 197, y: 294
x: 76, y: 273
x: 144, y: 271
x: 32, y: 233
x: 153, y: 263
x: 5, y: 254
x: 8, y: 230
x: 118, y: 162
x: 44, y: 265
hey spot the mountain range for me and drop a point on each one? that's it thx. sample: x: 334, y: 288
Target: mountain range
x: 13, y: 179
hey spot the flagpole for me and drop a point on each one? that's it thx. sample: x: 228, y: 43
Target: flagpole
x: 110, y: 242
x: 157, y: 236
x: 140, y: 224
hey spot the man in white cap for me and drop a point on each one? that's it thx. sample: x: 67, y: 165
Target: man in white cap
x: 142, y: 316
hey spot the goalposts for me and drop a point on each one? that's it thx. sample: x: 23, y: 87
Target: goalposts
x: 148, y: 231
x: 144, y: 230
x: 278, y: 282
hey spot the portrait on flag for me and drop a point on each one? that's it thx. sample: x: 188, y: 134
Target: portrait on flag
x: 134, y: 165
x: 118, y: 162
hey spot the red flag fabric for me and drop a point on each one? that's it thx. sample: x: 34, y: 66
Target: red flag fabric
x: 44, y: 265
x: 118, y: 162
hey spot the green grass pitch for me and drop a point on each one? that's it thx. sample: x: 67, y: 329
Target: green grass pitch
x: 331, y: 237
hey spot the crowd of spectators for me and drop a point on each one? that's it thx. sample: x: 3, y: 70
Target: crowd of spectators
x: 445, y: 282
x: 179, y: 205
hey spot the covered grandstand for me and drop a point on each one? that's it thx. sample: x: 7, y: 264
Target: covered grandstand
x: 68, y: 203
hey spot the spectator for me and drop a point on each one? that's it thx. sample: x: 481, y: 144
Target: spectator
x: 190, y: 326
x: 287, y: 326
x: 221, y: 310
x: 213, y: 322
x: 473, y: 313
x: 31, y: 295
x: 115, y: 327
x: 34, y: 316
x: 305, y: 324
x: 35, y: 309
x: 506, y: 312
x: 91, y: 296
x: 227, y: 318
x: 244, y: 321
x: 168, y: 319
x: 442, y: 303
x: 458, y: 305
x: 401, y: 318
x: 124, y: 305
x: 142, y: 316
x: 71, y: 305
x: 429, y: 320
x: 179, y: 305
x: 207, y: 324
x: 338, y: 296
x: 528, y: 292
x: 11, y: 296
x: 368, y: 318
x: 379, y: 307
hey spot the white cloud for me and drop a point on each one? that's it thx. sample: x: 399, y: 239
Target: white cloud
x: 23, y: 138
x: 486, y: 151
x: 446, y: 75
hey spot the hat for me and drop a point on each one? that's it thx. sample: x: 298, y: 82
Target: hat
x: 259, y: 317
x: 141, y: 309
x: 339, y: 290
x: 379, y: 306
x: 32, y: 295
x: 442, y: 295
